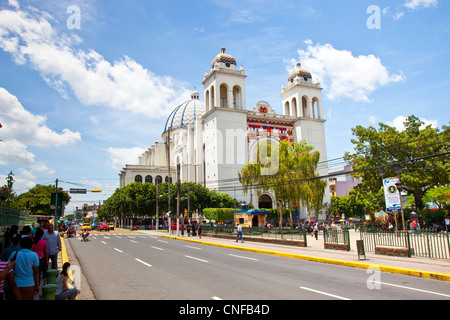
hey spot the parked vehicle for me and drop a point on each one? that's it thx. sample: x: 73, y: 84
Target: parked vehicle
x: 111, y: 226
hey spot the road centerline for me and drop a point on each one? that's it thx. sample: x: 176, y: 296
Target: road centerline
x: 198, y: 259
x: 325, y: 293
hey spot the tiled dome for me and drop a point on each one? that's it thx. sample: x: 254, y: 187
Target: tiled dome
x: 186, y: 113
x: 224, y: 58
x: 299, y: 72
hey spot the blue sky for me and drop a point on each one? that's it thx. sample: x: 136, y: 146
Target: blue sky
x: 82, y: 95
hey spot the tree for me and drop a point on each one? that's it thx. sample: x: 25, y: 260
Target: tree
x: 420, y: 153
x: 38, y: 199
x: 439, y: 195
x: 296, y: 178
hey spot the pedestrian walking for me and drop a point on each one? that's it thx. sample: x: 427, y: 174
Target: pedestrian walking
x: 316, y: 231
x: 239, y: 233
x: 53, y: 245
x: 40, y: 247
x: 26, y: 270
x: 7, y: 275
x: 63, y: 291
x: 199, y: 232
x: 14, y: 246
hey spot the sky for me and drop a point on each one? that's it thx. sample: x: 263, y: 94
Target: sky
x: 87, y: 85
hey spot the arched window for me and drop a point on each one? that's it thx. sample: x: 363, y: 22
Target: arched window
x: 223, y: 96
x: 138, y: 178
x: 168, y: 179
x: 286, y: 109
x: 148, y: 179
x: 158, y: 180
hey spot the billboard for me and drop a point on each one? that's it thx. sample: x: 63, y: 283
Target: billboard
x: 391, y: 195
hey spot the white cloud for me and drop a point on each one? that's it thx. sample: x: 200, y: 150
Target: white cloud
x: 399, y: 120
x: 24, y: 128
x: 417, y: 4
x: 124, y: 84
x: 121, y: 156
x: 344, y: 75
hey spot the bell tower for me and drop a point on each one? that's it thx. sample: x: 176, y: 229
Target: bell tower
x: 302, y: 100
x: 224, y: 85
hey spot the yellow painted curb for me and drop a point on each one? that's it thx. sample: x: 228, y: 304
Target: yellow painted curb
x: 409, y: 272
x: 65, y: 257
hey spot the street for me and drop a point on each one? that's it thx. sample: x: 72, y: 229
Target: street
x: 144, y: 266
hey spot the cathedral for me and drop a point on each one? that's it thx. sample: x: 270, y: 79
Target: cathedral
x: 213, y: 139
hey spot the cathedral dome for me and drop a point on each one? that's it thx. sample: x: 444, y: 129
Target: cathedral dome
x: 186, y: 113
x: 224, y: 58
x: 299, y: 72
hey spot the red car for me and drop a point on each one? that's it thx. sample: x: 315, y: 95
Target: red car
x: 102, y: 226
x: 174, y: 226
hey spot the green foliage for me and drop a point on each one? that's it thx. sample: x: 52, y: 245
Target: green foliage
x: 415, y: 150
x: 219, y: 214
x: 38, y: 199
x: 290, y: 171
x: 139, y: 199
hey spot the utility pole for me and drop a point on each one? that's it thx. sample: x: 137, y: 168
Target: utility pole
x: 157, y: 208
x: 9, y: 181
x: 178, y: 200
x: 55, y: 219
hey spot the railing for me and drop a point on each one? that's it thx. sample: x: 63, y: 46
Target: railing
x: 337, y: 236
x: 423, y: 243
x: 265, y: 233
x: 9, y: 217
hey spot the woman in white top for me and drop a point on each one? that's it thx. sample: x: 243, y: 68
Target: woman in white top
x: 63, y: 292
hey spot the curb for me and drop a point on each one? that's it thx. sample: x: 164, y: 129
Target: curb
x: 408, y: 272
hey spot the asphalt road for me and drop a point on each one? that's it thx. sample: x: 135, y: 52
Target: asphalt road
x: 147, y: 267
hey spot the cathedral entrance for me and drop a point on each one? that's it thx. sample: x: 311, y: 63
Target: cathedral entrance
x: 265, y: 202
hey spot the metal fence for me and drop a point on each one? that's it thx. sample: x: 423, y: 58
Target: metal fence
x: 337, y: 236
x: 423, y: 243
x: 265, y: 233
x: 9, y: 217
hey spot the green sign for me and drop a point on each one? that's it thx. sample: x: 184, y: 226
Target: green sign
x: 58, y: 206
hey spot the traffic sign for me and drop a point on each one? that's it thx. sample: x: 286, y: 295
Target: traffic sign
x: 78, y: 191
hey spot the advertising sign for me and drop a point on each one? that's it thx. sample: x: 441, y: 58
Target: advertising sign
x: 391, y: 195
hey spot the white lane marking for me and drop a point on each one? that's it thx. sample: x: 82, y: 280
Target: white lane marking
x: 196, y: 259
x: 193, y: 247
x: 131, y: 237
x: 133, y: 241
x: 414, y: 289
x: 145, y: 263
x: 103, y: 242
x: 119, y: 237
x: 163, y: 241
x: 235, y: 255
x: 216, y: 298
x: 157, y: 248
x: 118, y: 250
x: 325, y: 293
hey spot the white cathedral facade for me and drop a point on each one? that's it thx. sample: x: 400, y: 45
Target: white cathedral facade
x: 214, y: 139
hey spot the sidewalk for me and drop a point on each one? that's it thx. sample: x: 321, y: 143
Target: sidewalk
x: 420, y: 267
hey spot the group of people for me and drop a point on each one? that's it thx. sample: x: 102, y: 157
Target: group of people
x: 195, y: 230
x: 25, y: 259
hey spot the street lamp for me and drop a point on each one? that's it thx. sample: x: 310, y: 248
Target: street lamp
x: 280, y: 200
x: 399, y: 185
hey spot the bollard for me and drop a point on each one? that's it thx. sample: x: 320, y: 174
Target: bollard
x: 49, y: 291
x: 51, y: 276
